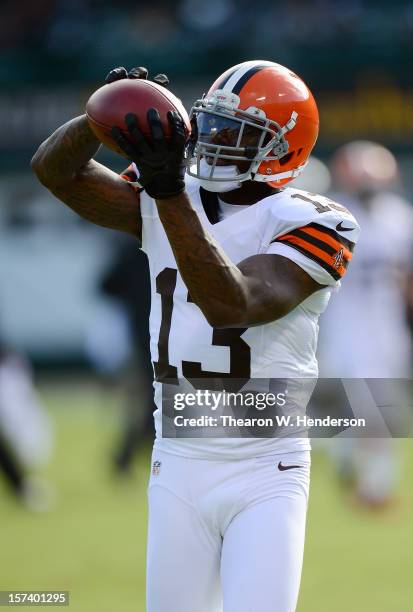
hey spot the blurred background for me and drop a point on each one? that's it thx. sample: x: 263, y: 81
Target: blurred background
x: 75, y: 397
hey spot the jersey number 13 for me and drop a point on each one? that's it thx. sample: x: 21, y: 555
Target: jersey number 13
x: 239, y: 350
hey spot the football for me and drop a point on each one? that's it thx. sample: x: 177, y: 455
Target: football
x: 108, y: 106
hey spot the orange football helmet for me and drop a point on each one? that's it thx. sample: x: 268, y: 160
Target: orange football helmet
x: 258, y: 114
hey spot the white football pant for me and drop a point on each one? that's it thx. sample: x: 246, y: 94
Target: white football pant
x: 226, y: 535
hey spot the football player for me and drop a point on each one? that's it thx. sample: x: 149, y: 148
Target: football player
x: 241, y: 267
x: 375, y: 301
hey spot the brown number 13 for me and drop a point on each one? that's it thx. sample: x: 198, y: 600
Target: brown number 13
x: 239, y: 350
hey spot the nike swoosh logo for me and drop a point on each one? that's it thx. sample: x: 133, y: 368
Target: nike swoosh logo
x: 282, y: 467
x: 340, y: 228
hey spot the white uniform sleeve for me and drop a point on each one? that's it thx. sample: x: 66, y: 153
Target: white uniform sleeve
x: 316, y: 233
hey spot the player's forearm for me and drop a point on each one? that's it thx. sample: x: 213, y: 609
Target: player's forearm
x: 214, y: 282
x: 64, y: 164
x: 65, y: 152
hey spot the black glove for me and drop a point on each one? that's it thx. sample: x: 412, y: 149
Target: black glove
x: 160, y: 160
x: 139, y: 72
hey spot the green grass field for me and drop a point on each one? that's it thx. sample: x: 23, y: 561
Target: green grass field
x: 93, y: 542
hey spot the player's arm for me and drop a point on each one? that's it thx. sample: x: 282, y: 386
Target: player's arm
x: 260, y: 289
x: 64, y: 164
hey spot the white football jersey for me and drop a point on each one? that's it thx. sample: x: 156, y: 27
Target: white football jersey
x: 314, y: 232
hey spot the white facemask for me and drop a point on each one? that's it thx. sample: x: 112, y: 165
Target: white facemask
x: 221, y: 172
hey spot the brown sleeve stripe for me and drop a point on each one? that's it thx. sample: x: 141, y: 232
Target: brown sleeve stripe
x: 336, y: 274
x: 325, y: 247
x: 312, y: 239
x: 335, y: 235
x: 324, y: 241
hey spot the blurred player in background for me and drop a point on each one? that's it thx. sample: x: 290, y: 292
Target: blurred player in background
x: 241, y: 267
x: 117, y: 345
x: 375, y: 303
x: 26, y: 435
x: 127, y: 280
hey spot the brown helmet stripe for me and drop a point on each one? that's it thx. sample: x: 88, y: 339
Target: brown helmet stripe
x: 246, y: 77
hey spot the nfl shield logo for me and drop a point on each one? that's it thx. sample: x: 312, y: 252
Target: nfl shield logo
x: 156, y: 468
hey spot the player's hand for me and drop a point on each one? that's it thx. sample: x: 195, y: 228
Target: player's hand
x: 160, y: 160
x: 139, y: 72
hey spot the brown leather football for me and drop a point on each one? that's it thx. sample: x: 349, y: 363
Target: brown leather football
x: 108, y: 106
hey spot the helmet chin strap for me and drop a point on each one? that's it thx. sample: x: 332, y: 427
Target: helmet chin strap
x: 225, y: 174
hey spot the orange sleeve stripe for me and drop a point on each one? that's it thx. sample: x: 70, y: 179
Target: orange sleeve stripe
x: 307, y: 246
x: 328, y: 239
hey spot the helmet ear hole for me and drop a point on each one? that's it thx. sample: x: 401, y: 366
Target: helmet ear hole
x: 286, y: 158
x: 299, y: 151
